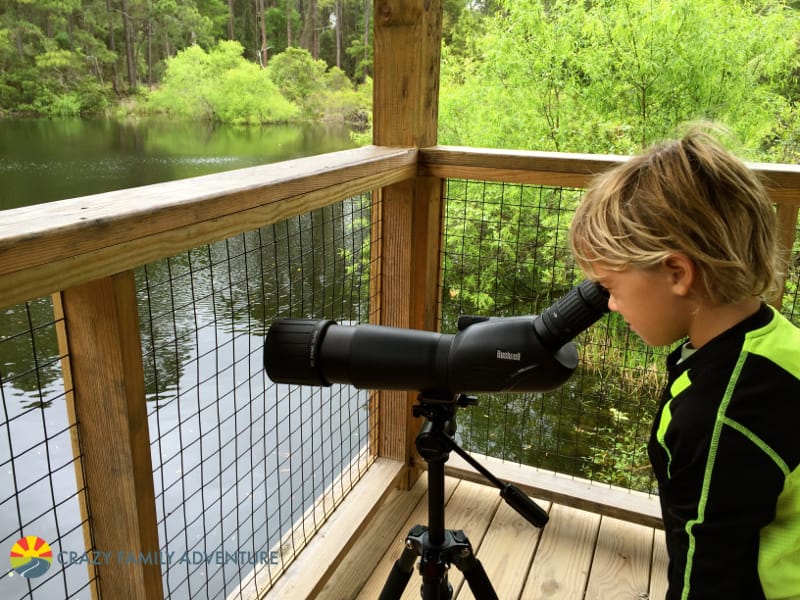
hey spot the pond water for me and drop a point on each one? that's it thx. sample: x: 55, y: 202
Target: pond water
x: 42, y: 160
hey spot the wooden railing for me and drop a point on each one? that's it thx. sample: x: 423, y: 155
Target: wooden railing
x: 44, y: 249
x: 83, y: 250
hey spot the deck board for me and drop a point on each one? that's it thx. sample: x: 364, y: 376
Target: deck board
x: 506, y: 551
x: 563, y: 560
x: 380, y: 538
x: 577, y: 555
x: 621, y: 565
x: 380, y: 572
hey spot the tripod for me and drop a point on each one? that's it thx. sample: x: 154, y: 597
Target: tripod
x: 436, y: 546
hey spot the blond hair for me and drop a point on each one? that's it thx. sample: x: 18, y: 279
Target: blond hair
x: 689, y: 196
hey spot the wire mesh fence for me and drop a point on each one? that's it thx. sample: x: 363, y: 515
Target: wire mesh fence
x: 245, y: 471
x: 241, y: 464
x: 40, y: 479
x: 791, y: 293
x: 506, y: 253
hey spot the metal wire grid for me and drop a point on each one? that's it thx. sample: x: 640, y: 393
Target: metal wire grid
x: 506, y: 253
x: 39, y: 490
x: 242, y: 465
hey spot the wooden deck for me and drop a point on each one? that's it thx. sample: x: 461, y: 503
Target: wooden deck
x: 577, y: 555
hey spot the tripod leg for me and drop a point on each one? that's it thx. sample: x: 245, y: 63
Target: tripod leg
x: 472, y: 568
x: 436, y: 588
x: 477, y: 579
x: 403, y: 567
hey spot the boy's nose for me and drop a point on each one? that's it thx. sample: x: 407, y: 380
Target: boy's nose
x: 612, y: 304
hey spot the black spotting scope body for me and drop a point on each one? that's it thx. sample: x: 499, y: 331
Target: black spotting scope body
x: 515, y: 354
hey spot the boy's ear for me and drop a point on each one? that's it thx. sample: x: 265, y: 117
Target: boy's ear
x: 682, y: 273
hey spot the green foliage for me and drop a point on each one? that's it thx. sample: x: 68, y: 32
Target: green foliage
x: 791, y: 296
x: 600, y: 77
x: 47, y: 65
x: 58, y: 84
x: 300, y: 78
x: 362, y: 56
x: 612, y: 77
x: 186, y: 22
x: 219, y: 85
x: 275, y: 23
x: 321, y: 94
x: 619, y: 456
x: 506, y: 242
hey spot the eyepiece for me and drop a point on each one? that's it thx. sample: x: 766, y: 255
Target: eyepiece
x: 573, y: 313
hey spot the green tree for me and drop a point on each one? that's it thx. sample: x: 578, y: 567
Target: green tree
x: 49, y: 62
x: 615, y: 76
x: 170, y: 25
x: 299, y: 77
x: 220, y: 85
x: 321, y: 93
x: 601, y: 77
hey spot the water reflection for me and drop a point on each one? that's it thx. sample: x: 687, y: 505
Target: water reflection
x: 42, y: 160
x: 313, y: 266
x: 29, y: 350
x: 234, y: 453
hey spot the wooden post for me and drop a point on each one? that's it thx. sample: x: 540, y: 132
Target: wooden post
x: 66, y: 373
x: 787, y: 230
x: 408, y: 214
x: 102, y: 329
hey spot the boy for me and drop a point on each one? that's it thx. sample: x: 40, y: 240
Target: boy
x: 683, y: 238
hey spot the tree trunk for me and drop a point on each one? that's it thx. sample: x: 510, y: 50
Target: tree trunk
x: 367, y: 13
x: 261, y: 16
x: 111, y: 43
x: 288, y: 23
x: 309, y: 39
x: 339, y: 27
x: 130, y: 50
x: 149, y: 53
x: 231, y: 35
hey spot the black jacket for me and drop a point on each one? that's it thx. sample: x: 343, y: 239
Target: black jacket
x: 725, y: 448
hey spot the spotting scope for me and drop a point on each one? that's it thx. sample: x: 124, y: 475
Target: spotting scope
x: 499, y: 354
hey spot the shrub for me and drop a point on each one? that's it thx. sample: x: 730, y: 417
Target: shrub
x: 220, y: 85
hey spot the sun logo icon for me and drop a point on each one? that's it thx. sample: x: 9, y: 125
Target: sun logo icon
x: 31, y: 556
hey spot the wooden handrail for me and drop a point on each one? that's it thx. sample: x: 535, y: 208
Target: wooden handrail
x: 568, y: 170
x: 50, y: 247
x: 576, y: 170
x: 515, y: 166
